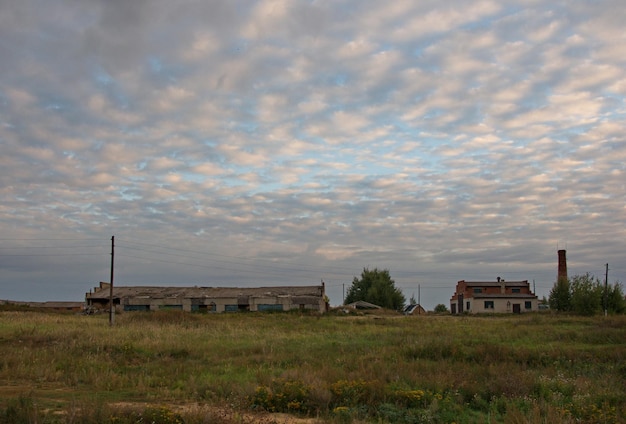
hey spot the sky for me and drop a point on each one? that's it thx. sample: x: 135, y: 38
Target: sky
x: 258, y: 143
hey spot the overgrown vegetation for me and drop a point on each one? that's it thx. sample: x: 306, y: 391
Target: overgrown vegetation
x: 586, y: 295
x: 174, y: 367
x: 441, y: 309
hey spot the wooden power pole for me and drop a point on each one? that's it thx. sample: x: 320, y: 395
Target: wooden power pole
x: 606, y: 291
x: 111, y: 306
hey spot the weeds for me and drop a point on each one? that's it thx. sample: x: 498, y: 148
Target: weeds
x: 531, y: 369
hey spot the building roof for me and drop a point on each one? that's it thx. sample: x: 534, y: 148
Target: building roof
x: 413, y: 309
x: 495, y: 283
x: 203, y: 292
x: 361, y: 304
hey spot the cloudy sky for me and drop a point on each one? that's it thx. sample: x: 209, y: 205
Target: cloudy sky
x: 245, y: 143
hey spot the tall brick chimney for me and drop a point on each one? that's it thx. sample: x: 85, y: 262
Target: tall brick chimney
x: 562, y: 273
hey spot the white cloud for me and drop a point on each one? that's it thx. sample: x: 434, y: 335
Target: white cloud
x: 443, y: 140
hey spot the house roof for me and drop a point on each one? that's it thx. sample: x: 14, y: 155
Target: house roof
x: 203, y: 292
x: 495, y: 283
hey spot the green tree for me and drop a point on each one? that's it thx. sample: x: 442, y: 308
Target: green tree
x: 615, y: 298
x: 560, y: 298
x: 376, y: 286
x: 587, y: 294
x: 441, y: 309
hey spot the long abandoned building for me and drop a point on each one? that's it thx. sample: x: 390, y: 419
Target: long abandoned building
x: 209, y: 299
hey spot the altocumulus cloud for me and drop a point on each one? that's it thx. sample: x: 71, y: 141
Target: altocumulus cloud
x: 279, y: 142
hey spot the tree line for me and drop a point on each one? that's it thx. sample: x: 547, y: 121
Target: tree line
x: 586, y: 295
x: 580, y: 294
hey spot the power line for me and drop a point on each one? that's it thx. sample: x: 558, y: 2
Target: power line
x: 51, y: 254
x: 49, y: 247
x: 49, y: 239
x: 242, y: 264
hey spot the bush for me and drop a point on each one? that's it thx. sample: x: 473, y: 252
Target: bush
x: 283, y: 396
x: 586, y: 294
x: 349, y: 393
x: 441, y: 309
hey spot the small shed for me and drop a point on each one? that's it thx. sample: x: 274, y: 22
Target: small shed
x: 414, y: 309
x: 361, y: 304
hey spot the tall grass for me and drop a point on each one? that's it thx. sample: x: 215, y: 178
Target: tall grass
x: 531, y: 368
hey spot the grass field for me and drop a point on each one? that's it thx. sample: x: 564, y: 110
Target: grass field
x: 173, y: 367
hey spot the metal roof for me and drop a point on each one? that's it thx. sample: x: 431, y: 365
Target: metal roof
x: 361, y: 304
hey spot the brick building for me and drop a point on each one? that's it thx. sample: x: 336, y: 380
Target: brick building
x: 499, y: 296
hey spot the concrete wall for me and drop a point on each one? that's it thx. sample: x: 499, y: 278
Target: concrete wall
x: 500, y: 305
x: 284, y: 303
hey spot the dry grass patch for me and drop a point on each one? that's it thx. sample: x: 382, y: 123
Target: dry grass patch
x: 331, y: 368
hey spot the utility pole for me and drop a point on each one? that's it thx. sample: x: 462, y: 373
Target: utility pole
x: 111, y: 306
x: 419, y: 299
x: 606, y: 291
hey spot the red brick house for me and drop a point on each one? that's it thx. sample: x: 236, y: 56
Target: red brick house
x: 475, y: 297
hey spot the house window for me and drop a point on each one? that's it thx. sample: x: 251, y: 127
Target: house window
x: 478, y: 290
x: 528, y: 305
x: 467, y: 306
x: 517, y: 290
x: 488, y: 304
x: 231, y: 308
